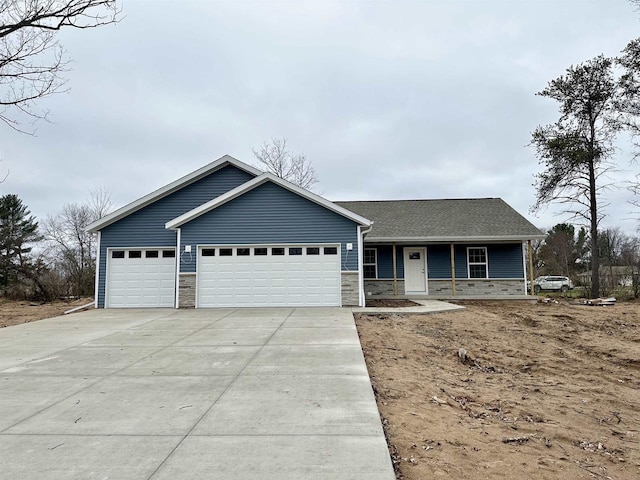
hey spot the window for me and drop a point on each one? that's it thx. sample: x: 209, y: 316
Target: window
x: 370, y: 264
x: 168, y: 254
x: 208, y: 252
x: 477, y: 261
x: 117, y: 254
x: 330, y: 250
x: 226, y: 252
x: 243, y: 252
x: 135, y: 254
x: 295, y: 251
x: 260, y: 252
x: 151, y: 254
x: 313, y: 251
x: 277, y: 251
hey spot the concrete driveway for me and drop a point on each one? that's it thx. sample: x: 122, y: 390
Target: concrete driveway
x: 189, y: 394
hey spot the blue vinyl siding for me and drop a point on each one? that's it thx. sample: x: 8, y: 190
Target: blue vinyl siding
x: 439, y: 261
x: 505, y: 261
x: 461, y: 261
x: 270, y: 214
x: 385, y: 261
x: 146, y: 227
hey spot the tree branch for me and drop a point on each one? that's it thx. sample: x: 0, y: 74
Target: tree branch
x: 32, y: 61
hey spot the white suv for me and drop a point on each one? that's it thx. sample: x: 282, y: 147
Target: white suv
x: 552, y: 282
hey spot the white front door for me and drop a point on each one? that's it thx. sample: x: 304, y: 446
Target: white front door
x: 415, y: 270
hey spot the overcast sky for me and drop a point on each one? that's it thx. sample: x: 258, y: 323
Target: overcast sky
x: 389, y: 100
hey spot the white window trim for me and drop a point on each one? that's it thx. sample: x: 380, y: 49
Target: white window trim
x: 269, y: 247
x: 375, y: 264
x: 485, y: 263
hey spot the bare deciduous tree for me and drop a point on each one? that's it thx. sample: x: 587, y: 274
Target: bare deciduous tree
x: 31, y: 58
x: 275, y: 158
x: 72, y: 252
x: 630, y: 258
x: 100, y: 203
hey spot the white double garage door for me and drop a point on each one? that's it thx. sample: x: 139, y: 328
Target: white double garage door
x: 228, y: 276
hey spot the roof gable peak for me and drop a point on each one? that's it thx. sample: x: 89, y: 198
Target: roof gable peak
x: 172, y: 187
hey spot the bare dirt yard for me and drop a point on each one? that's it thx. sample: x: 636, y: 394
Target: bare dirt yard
x: 17, y: 312
x: 544, y: 391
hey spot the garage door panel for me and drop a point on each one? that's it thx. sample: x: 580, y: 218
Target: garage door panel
x: 224, y: 275
x: 268, y: 280
x: 242, y: 288
x: 279, y: 283
x: 140, y: 282
x: 278, y: 300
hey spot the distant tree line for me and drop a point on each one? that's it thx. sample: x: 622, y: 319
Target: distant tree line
x: 51, y: 259
x: 567, y: 251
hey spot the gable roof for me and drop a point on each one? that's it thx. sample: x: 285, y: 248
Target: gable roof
x: 169, y: 189
x: 476, y: 219
x: 256, y: 182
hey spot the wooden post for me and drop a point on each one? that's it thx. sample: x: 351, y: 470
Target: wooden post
x: 395, y: 280
x: 453, y: 270
x: 532, y: 289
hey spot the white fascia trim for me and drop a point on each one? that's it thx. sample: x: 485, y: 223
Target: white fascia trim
x: 502, y: 238
x: 196, y: 299
x: 178, y: 257
x: 256, y: 182
x: 97, y: 270
x: 170, y: 188
x: 320, y: 200
x: 361, y: 233
x: 360, y: 266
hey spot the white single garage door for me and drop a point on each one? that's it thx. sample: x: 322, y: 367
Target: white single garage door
x: 269, y: 275
x: 141, y: 277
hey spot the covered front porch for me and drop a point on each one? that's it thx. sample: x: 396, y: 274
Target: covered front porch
x: 446, y: 271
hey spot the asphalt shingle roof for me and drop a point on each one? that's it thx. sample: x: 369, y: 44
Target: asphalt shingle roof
x: 490, y: 218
